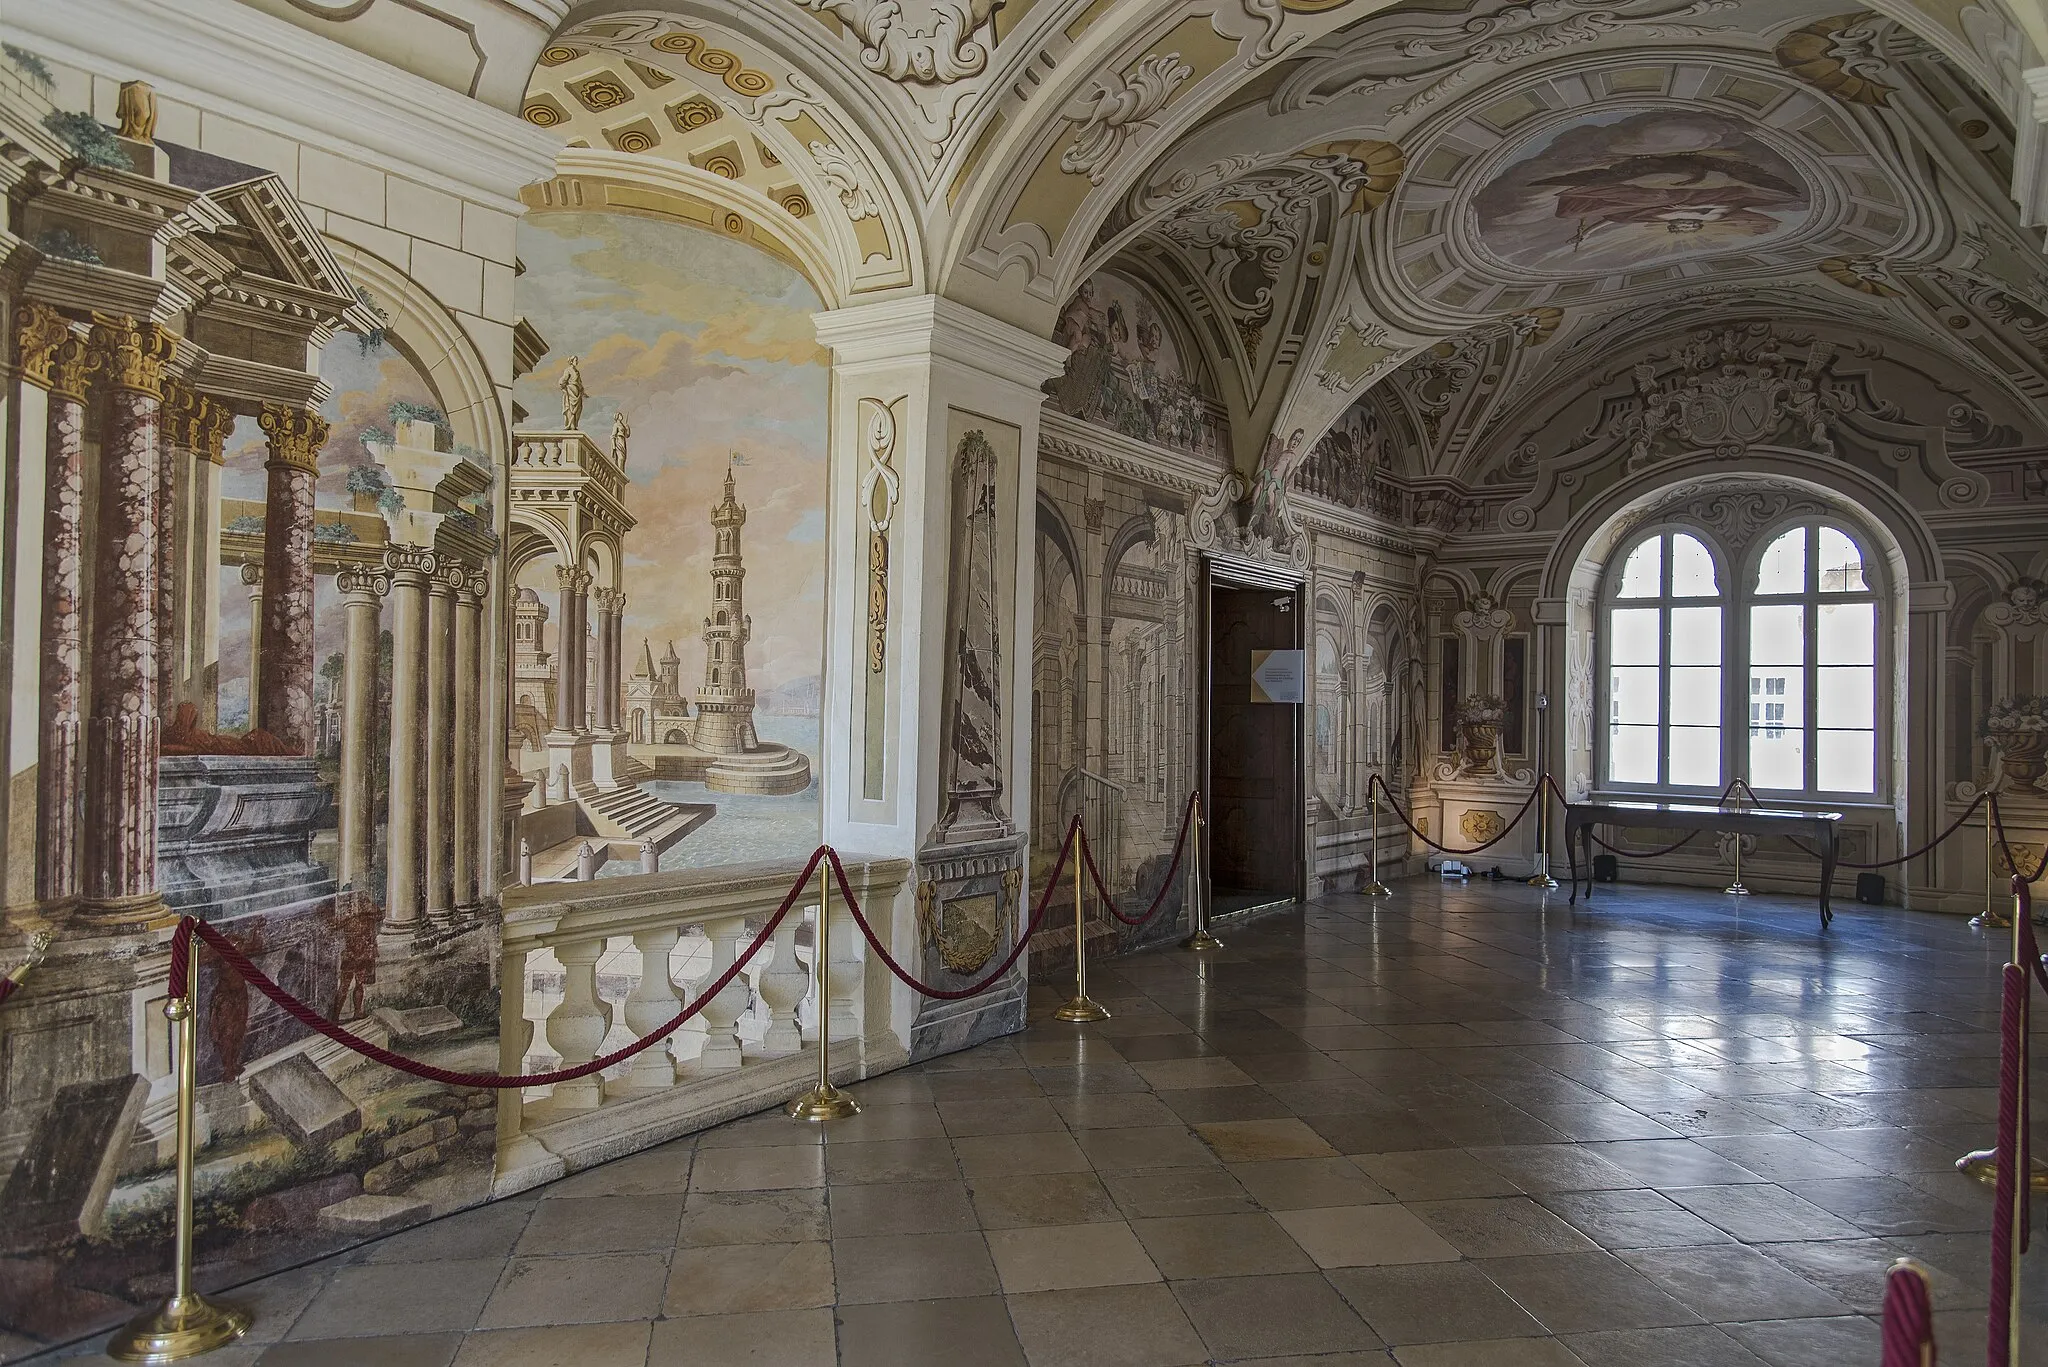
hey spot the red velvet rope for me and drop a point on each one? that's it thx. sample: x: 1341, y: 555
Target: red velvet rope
x: 1908, y: 1318
x: 939, y: 993
x: 1180, y: 841
x: 7, y: 986
x: 2012, y: 1161
x: 1446, y: 849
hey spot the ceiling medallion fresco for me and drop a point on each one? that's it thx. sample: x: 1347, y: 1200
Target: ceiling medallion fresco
x: 1617, y: 191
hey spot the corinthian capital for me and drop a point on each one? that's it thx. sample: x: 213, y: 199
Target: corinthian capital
x: 198, y: 424
x: 295, y: 434
x: 134, y: 355
x: 39, y: 331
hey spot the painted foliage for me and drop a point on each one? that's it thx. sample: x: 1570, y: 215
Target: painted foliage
x: 706, y: 413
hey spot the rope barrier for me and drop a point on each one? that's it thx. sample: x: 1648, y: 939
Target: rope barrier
x: 1908, y: 1317
x: 1928, y: 848
x: 1165, y: 884
x: 10, y: 982
x: 1998, y: 823
x: 1527, y: 803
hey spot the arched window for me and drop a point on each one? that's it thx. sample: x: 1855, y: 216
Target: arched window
x: 1664, y: 646
x: 1795, y: 710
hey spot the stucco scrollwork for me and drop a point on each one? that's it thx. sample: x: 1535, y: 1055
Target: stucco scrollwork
x: 879, y: 487
x: 1117, y: 109
x: 848, y: 179
x: 944, y: 50
x: 1734, y: 388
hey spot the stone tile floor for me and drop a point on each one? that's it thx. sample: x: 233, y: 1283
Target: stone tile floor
x: 1461, y: 1127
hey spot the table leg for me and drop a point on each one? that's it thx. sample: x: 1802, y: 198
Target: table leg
x: 1571, y: 852
x: 1586, y: 837
x: 1828, y: 854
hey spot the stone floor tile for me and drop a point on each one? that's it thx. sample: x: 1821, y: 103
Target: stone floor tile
x: 1733, y: 1283
x: 758, y: 1168
x: 1178, y: 1191
x: 1888, y: 1207
x: 983, y: 1085
x: 893, y: 1089
x: 1687, y: 1346
x: 907, y: 1267
x: 999, y: 1115
x: 931, y: 1333
x: 786, y: 1338
x: 1020, y: 1155
x: 1662, y: 1225
x: 581, y: 1345
x: 603, y: 1224
x: 1113, y: 1110
x: 1253, y: 1141
x: 1175, y: 1074
x: 1059, y: 1198
x: 715, y: 1218
x: 1665, y: 1163
x: 1378, y: 1132
x: 660, y: 1171
x: 906, y: 1120
x: 391, y: 1350
x: 1434, y: 1175
x: 1365, y: 1236
x: 1556, y: 1167
x: 1489, y: 1353
x: 1574, y: 1293
x: 1244, y: 1317
x: 1306, y: 1183
x: 1805, y: 1343
x: 1200, y: 1105
x: 394, y: 1298
x: 1105, y: 1326
x: 891, y: 1160
x: 744, y: 1278
x: 1763, y: 1213
x: 1220, y: 1246
x: 1433, y: 1302
x: 1500, y: 1227
x: 487, y: 1231
x: 1059, y: 1257
x: 874, y: 1208
x: 587, y: 1290
x: 1144, y: 1148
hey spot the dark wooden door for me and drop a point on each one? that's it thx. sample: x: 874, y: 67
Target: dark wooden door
x: 1254, y: 747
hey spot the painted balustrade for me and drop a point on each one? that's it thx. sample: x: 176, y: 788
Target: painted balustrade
x: 591, y: 966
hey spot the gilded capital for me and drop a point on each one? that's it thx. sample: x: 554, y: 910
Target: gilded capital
x: 134, y: 355
x: 197, y: 423
x: 296, y: 436
x: 39, y: 331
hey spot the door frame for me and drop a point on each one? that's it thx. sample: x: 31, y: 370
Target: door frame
x: 1220, y: 570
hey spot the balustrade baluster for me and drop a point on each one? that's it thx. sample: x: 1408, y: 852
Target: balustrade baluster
x: 651, y: 1004
x: 722, y: 1012
x: 782, y: 985
x: 843, y: 973
x: 576, y: 1028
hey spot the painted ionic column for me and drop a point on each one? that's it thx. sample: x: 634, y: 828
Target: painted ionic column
x: 440, y: 823
x: 581, y: 653
x: 122, y: 733
x: 362, y: 597
x: 286, y: 698
x: 54, y: 357
x: 567, y: 633
x: 468, y: 712
x: 411, y: 569
x: 252, y: 580
x: 617, y: 667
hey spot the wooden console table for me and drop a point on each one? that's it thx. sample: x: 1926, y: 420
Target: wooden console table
x: 1581, y: 817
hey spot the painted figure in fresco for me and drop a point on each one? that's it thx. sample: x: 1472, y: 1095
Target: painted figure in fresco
x: 572, y: 393
x: 621, y: 431
x: 1682, y: 192
x: 358, y: 916
x: 1266, y: 512
x: 227, y: 1007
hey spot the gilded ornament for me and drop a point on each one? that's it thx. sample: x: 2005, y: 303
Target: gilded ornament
x: 1481, y: 825
x: 1374, y: 167
x: 543, y: 113
x: 558, y: 54
x: 39, y: 332
x: 738, y: 77
x: 694, y: 113
x: 295, y: 434
x: 1864, y: 274
x: 795, y: 205
x: 601, y: 92
x: 636, y: 138
x: 1838, y: 55
x: 134, y: 355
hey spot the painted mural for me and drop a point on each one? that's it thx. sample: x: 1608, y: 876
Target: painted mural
x: 287, y: 564
x: 1127, y: 371
x: 668, y: 531
x: 1616, y: 191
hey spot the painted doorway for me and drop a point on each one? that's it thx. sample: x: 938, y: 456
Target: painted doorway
x: 1254, y: 744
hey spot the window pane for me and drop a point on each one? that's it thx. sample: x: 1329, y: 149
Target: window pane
x: 1847, y: 697
x: 1696, y: 756
x: 1632, y: 695
x: 1692, y: 569
x: 1777, y: 635
x: 1642, y: 575
x: 1777, y: 756
x: 1634, y: 634
x: 1695, y: 636
x: 1841, y: 563
x: 1847, y: 633
x: 1783, y: 569
x: 1696, y: 696
x: 1846, y: 761
x: 1632, y: 754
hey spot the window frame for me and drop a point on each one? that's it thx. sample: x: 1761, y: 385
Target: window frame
x: 1665, y: 602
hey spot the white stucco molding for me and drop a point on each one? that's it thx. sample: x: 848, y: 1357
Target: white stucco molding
x: 922, y: 325
x: 2030, y: 150
x: 226, y: 58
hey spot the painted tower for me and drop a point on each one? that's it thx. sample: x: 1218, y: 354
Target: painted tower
x: 533, y: 670
x: 725, y: 705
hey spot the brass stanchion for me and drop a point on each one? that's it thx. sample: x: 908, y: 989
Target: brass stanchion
x: 187, y: 1324
x: 1982, y: 1164
x: 1080, y: 1010
x: 1540, y: 876
x: 1735, y: 889
x: 1198, y: 892
x: 1374, y: 887
x: 1989, y: 919
x: 824, y: 1101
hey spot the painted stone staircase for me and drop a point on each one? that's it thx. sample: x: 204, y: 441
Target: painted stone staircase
x: 632, y: 814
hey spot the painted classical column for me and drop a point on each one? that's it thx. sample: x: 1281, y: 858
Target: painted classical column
x: 202, y: 426
x: 441, y: 739
x: 176, y: 400
x: 582, y: 652
x: 286, y: 698
x: 411, y: 568
x: 567, y: 633
x: 362, y: 596
x: 252, y: 579
x: 54, y: 357
x: 614, y: 697
x: 122, y: 734
x: 469, y: 626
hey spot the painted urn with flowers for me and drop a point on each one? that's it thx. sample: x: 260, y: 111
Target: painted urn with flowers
x: 2018, y: 726
x: 1479, y: 718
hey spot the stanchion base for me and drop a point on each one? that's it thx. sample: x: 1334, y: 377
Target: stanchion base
x: 1983, y: 1165
x: 823, y: 1102
x: 1541, y: 880
x: 1991, y: 922
x: 1736, y: 890
x: 1201, y: 939
x: 1082, y: 1010
x: 182, y: 1328
x: 1376, y: 889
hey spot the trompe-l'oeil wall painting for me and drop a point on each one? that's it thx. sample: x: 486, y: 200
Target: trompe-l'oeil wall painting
x: 1127, y: 372
x: 668, y: 549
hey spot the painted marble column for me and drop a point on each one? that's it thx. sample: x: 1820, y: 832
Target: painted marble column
x: 202, y: 429
x: 567, y: 633
x: 362, y: 597
x: 122, y: 734
x: 176, y: 400
x: 469, y: 626
x: 56, y: 358
x: 614, y: 699
x: 252, y: 580
x: 441, y: 739
x: 411, y: 569
x: 296, y: 437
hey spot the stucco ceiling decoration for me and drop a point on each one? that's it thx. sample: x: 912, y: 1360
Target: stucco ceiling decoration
x: 1842, y: 55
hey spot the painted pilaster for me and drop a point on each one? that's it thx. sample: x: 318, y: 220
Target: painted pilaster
x: 411, y: 568
x: 286, y: 697
x: 252, y: 580
x: 201, y: 427
x: 362, y: 596
x: 122, y: 735
x: 566, y: 708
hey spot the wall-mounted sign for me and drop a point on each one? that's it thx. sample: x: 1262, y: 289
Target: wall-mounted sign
x: 1277, y: 675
